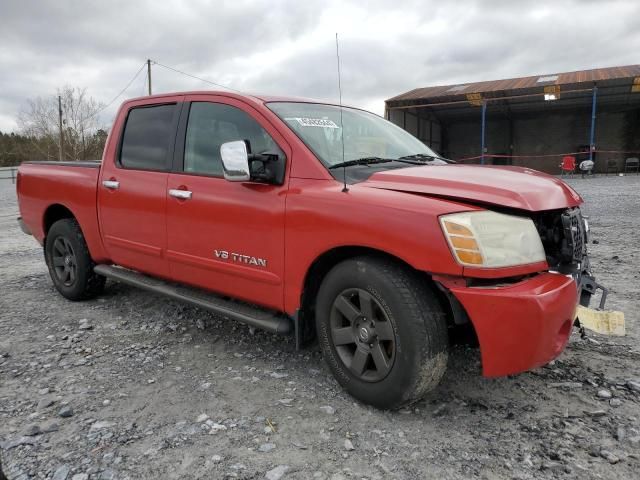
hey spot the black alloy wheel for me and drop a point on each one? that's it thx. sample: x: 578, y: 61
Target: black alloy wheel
x: 69, y: 261
x: 64, y: 261
x: 363, y: 335
x: 382, y: 330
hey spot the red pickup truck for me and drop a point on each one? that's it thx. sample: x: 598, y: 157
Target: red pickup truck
x: 323, y: 221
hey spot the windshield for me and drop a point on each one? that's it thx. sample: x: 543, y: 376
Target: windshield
x: 365, y: 134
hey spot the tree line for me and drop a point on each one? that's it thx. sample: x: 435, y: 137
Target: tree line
x: 38, y: 135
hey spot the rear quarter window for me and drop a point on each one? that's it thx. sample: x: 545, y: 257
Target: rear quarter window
x: 146, y: 139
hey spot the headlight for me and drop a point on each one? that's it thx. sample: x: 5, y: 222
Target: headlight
x: 489, y: 239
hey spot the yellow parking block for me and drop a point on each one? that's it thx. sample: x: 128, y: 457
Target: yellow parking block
x: 602, y: 322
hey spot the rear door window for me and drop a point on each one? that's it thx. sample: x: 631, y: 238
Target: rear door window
x: 147, y: 137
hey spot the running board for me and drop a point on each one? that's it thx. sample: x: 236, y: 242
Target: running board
x: 242, y: 312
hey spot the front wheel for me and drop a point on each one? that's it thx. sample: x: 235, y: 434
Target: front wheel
x: 70, y: 264
x: 382, y: 331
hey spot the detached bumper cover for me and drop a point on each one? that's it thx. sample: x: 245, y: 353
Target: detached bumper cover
x: 521, y: 326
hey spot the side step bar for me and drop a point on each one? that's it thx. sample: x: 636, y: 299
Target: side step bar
x: 254, y: 316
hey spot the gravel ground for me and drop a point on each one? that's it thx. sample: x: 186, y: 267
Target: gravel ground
x: 132, y: 385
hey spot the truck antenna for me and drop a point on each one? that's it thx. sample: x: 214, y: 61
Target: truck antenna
x: 344, y: 167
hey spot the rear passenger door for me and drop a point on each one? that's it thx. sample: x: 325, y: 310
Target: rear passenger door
x: 132, y: 192
x: 225, y: 236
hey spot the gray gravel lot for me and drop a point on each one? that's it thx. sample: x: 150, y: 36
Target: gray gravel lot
x: 132, y: 385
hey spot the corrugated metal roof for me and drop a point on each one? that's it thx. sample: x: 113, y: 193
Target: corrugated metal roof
x: 513, y: 85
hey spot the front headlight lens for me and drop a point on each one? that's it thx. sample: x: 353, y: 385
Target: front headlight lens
x: 489, y: 239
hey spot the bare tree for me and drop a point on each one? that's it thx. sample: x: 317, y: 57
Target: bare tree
x: 81, y: 126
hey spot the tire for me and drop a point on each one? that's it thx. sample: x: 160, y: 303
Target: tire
x: 382, y: 331
x: 69, y: 262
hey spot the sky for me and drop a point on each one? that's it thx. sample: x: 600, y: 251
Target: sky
x: 287, y: 47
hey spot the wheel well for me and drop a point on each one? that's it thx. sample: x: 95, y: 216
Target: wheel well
x: 53, y: 214
x: 325, y: 262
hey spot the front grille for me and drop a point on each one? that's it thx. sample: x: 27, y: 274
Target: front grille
x: 564, y: 237
x: 574, y: 241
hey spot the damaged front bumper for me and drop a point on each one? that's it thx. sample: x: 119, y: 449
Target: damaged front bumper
x: 525, y: 324
x: 520, y: 326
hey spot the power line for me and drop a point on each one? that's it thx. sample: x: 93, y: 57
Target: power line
x: 196, y: 77
x: 146, y: 79
x: 121, y: 92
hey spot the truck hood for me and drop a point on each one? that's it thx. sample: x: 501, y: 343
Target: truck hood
x: 514, y: 187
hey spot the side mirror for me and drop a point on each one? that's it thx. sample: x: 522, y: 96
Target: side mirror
x: 235, y: 161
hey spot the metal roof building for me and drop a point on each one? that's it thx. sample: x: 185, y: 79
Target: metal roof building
x: 531, y: 121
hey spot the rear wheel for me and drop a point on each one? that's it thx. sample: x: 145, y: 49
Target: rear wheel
x: 70, y: 265
x: 382, y: 331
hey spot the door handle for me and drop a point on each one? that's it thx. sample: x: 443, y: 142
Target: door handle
x: 181, y: 194
x: 111, y: 184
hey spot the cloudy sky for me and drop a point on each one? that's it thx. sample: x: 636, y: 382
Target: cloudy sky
x: 288, y: 46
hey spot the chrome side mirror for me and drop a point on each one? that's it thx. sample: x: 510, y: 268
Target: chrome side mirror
x: 235, y: 161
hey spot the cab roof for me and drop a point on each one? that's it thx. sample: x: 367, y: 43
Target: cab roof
x: 257, y: 98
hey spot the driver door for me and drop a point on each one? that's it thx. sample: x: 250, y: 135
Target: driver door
x: 223, y: 236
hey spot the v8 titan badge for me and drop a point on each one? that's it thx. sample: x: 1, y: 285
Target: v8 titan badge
x: 240, y: 258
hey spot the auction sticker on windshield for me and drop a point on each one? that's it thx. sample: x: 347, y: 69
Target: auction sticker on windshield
x: 316, y: 122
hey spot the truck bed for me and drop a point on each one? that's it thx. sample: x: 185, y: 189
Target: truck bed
x: 72, y: 184
x: 77, y: 163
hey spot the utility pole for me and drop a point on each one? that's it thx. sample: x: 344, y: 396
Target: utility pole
x: 149, y: 74
x: 60, y: 125
x: 592, y: 138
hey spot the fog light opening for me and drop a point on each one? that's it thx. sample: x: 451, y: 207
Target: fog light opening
x: 563, y: 335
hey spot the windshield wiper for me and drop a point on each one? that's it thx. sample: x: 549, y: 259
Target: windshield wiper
x: 417, y: 159
x: 423, y: 157
x: 361, y: 161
